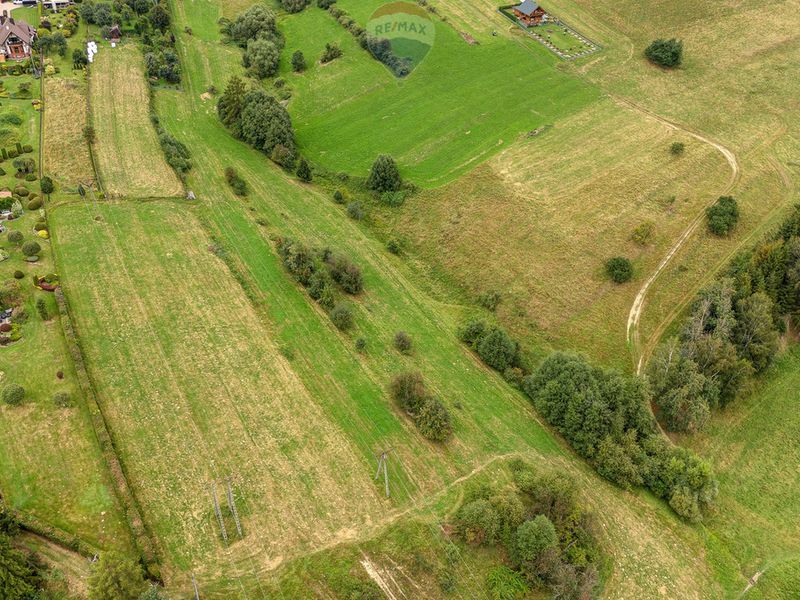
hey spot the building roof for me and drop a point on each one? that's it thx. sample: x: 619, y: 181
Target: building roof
x: 20, y: 29
x: 527, y: 8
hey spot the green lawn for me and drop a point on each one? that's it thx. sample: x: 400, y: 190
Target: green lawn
x: 460, y: 106
x: 50, y: 464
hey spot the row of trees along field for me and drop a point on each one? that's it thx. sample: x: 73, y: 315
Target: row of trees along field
x: 732, y: 333
x: 606, y: 417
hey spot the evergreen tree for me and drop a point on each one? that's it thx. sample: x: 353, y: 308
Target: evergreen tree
x: 304, y: 171
x: 384, y: 176
x: 298, y: 62
x: 230, y: 104
x: 18, y: 580
x: 116, y: 578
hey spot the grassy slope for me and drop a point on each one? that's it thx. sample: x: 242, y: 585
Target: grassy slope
x: 123, y: 128
x: 756, y: 447
x: 491, y: 416
x: 50, y: 464
x: 462, y: 104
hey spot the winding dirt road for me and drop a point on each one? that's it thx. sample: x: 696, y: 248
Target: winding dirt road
x: 638, y: 304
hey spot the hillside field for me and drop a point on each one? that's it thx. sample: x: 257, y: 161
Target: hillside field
x: 123, y: 128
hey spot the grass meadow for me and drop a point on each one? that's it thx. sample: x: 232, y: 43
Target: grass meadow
x: 125, y: 137
x: 66, y: 155
x: 462, y: 105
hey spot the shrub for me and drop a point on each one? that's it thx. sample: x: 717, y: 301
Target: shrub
x: 46, y: 185
x: 27, y: 149
x: 238, y: 185
x: 394, y: 246
x: 13, y: 394
x: 21, y: 191
x: 12, y: 153
x: 723, y: 216
x: 331, y: 52
x: 409, y: 392
x: 346, y: 273
x: 342, y: 316
x: 402, y: 342
x: 304, y: 171
x: 361, y: 345
x: 619, y: 269
x: 175, y: 152
x: 433, y: 420
x: 338, y: 197
x: 478, y: 523
x: 15, y: 237
x: 497, y: 349
x: 677, y: 148
x: 384, y: 175
x: 35, y: 204
x: 532, y: 541
x: 665, y: 53
x: 31, y: 248
x: 294, y: 6
x: 489, y: 300
x: 643, y: 233
x: 41, y: 308
x: 505, y: 584
x: 355, y: 211
x: 30, y: 177
x: 18, y: 274
x: 298, y: 62
x: 62, y: 400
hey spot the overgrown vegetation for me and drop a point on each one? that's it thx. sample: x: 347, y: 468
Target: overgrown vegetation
x: 547, y: 534
x: 428, y: 413
x: 255, y: 31
x: 323, y: 273
x: 732, y: 333
x: 606, y: 418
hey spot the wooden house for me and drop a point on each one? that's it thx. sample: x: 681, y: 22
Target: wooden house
x: 529, y: 13
x: 16, y: 38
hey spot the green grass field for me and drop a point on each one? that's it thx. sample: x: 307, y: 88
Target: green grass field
x: 123, y: 128
x: 462, y: 105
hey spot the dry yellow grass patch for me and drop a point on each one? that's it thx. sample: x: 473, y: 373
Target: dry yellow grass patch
x: 66, y: 155
x: 127, y: 150
x: 537, y: 222
x: 196, y: 391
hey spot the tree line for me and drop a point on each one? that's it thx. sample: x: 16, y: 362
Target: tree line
x: 732, y: 332
x: 606, y: 418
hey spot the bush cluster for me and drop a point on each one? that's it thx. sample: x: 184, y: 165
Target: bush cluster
x: 494, y: 346
x: 238, y: 185
x: 665, y: 53
x: 331, y: 52
x: 321, y: 272
x: 13, y: 394
x: 545, y: 530
x: 260, y: 120
x: 429, y: 414
x: 605, y: 417
x: 723, y: 216
x: 256, y: 31
x: 732, y: 332
x: 619, y: 269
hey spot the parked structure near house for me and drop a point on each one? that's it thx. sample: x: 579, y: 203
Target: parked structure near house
x: 114, y: 34
x: 16, y: 38
x: 529, y: 13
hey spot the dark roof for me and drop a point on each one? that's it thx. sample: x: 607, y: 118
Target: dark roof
x: 20, y: 29
x: 527, y: 8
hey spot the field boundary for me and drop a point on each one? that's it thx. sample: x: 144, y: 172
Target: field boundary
x: 51, y: 533
x: 143, y: 539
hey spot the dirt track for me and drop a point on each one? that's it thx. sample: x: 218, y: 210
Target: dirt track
x: 638, y: 304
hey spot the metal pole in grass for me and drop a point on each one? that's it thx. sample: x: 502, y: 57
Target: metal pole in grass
x: 218, y: 512
x: 382, y: 463
x: 196, y: 592
x: 234, y: 512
